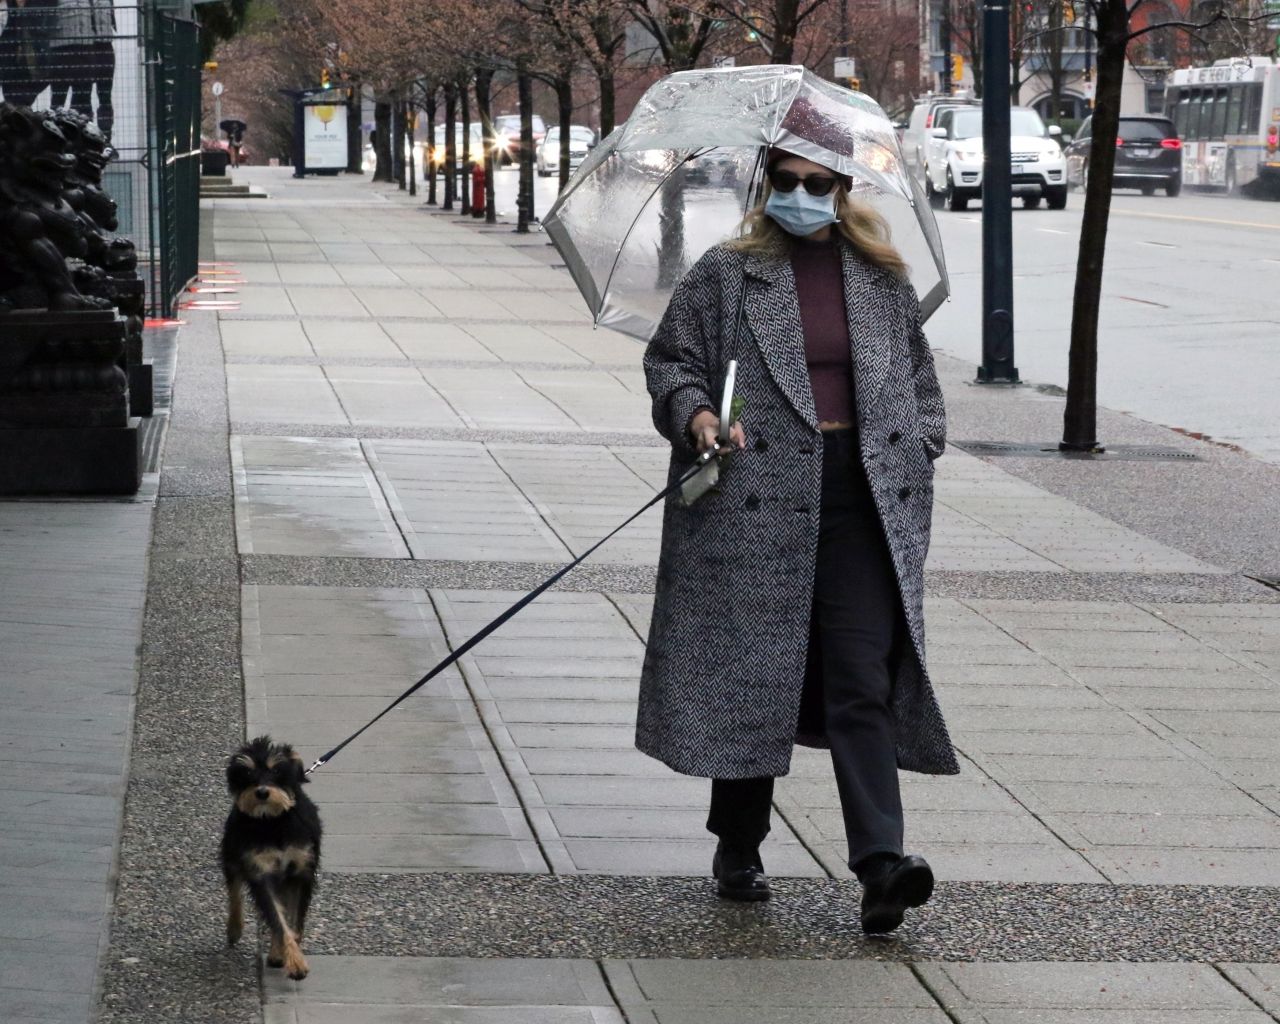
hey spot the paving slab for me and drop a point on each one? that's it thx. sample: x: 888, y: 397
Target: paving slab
x: 382, y: 990
x: 71, y: 609
x: 1112, y: 992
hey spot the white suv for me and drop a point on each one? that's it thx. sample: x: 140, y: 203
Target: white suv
x: 953, y: 159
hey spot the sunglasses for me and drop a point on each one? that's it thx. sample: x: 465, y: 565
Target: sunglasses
x: 814, y: 184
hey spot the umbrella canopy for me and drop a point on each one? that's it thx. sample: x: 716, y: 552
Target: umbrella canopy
x: 679, y: 175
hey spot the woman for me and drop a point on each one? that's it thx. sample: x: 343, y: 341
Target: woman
x: 789, y: 601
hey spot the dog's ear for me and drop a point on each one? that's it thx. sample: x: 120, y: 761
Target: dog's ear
x: 239, y: 768
x: 299, y: 767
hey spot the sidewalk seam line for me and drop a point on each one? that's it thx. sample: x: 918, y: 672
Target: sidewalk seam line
x: 1217, y: 966
x: 916, y: 973
x: 608, y: 984
x: 488, y: 731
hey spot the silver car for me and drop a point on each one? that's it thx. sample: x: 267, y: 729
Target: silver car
x: 547, y: 155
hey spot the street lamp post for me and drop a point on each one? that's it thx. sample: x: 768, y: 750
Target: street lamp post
x: 997, y: 201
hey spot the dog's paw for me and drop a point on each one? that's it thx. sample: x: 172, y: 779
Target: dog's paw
x: 296, y: 967
x: 234, y: 930
x: 275, y: 961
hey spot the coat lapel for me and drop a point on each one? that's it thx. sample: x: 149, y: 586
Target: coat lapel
x: 868, y: 327
x: 772, y: 313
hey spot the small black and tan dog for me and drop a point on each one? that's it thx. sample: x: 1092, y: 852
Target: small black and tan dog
x: 271, y: 843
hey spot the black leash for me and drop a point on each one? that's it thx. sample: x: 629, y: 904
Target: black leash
x: 529, y: 597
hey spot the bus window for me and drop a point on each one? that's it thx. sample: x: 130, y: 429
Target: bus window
x: 1234, y: 105
x: 1219, y: 114
x: 1251, y: 109
x: 1194, y: 113
x: 1179, y: 104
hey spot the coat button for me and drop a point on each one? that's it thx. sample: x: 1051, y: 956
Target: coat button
x: 904, y: 494
x: 752, y: 502
x: 895, y: 437
x: 762, y: 445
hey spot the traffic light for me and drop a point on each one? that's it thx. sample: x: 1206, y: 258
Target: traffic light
x: 855, y: 84
x: 324, y: 78
x: 957, y: 67
x: 1068, y: 12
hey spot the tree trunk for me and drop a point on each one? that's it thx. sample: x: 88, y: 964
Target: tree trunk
x: 973, y: 22
x: 411, y: 127
x: 432, y: 170
x: 464, y: 92
x: 607, y: 100
x: 397, y: 141
x: 785, y: 14
x: 564, y: 104
x: 382, y: 169
x: 450, y: 146
x: 1080, y: 417
x: 607, y: 42
x: 355, y: 136
x: 671, y: 229
x: 484, y: 80
x: 524, y: 204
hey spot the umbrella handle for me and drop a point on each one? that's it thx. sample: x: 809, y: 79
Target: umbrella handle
x: 726, y: 401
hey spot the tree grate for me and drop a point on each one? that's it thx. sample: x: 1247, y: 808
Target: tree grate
x: 1049, y: 450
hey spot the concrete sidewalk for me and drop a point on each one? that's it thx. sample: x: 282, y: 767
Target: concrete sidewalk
x: 406, y: 424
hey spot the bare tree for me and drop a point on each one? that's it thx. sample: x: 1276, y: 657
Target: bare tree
x: 774, y: 25
x: 1116, y: 27
x: 680, y: 33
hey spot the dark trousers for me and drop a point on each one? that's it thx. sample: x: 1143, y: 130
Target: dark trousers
x: 856, y: 627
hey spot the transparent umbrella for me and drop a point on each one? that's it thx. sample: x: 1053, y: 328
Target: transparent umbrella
x: 679, y: 175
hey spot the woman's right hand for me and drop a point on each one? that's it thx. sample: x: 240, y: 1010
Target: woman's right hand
x: 705, y: 430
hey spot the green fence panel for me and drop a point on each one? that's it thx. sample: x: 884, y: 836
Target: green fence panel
x: 174, y: 51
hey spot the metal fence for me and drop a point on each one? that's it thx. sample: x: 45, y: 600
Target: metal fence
x: 136, y: 72
x: 174, y: 49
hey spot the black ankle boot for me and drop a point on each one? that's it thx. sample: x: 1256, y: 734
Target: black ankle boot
x: 888, y: 894
x: 739, y: 874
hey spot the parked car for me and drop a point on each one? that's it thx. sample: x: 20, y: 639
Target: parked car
x: 916, y: 133
x: 1148, y: 155
x: 476, y: 137
x: 547, y: 155
x: 954, y: 157
x: 506, y: 136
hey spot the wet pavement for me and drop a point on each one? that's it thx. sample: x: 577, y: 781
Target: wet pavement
x: 407, y: 420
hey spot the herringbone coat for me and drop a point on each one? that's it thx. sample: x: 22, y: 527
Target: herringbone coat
x: 725, y: 668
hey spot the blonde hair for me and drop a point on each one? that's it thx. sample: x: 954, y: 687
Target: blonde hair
x: 860, y: 225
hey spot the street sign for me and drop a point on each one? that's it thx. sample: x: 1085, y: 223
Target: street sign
x: 217, y: 89
x: 723, y: 62
x: 846, y: 67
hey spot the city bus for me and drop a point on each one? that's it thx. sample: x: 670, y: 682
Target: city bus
x: 1228, y: 117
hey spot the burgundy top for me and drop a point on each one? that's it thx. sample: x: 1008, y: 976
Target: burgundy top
x: 827, y: 348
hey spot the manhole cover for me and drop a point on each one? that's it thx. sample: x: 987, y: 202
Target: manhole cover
x: 1050, y: 450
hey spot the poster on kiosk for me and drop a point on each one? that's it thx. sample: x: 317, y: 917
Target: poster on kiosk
x: 324, y: 134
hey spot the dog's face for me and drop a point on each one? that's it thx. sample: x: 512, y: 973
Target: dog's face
x: 264, y: 778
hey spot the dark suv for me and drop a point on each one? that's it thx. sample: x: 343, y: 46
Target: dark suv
x: 1148, y: 155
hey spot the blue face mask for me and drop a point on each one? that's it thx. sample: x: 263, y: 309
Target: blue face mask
x: 799, y: 213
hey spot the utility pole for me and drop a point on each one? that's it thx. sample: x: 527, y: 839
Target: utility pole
x: 997, y: 201
x: 844, y: 28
